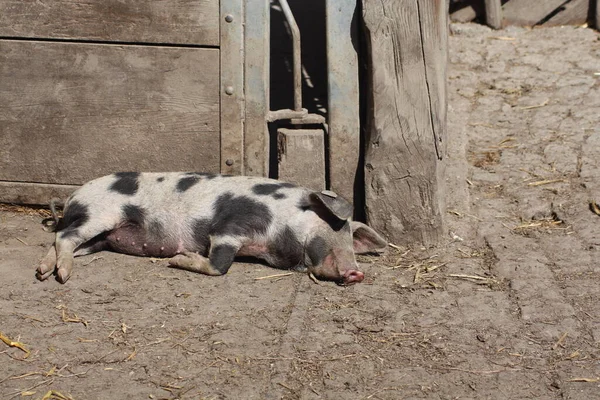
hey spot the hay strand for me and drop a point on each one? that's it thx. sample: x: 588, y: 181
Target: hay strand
x: 12, y: 343
x: 273, y: 276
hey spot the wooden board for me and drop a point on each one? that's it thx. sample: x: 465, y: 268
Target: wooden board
x: 256, y: 93
x: 468, y: 13
x: 404, y: 172
x: 528, y: 13
x: 150, y: 21
x: 232, y: 87
x: 72, y: 112
x: 573, y: 13
x: 343, y: 106
x: 301, y: 155
x: 33, y: 193
x: 493, y: 13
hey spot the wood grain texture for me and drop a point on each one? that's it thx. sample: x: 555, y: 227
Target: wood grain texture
x: 257, y: 45
x: 151, y: 21
x: 301, y: 155
x: 33, y: 193
x: 406, y: 122
x: 343, y: 106
x: 573, y: 13
x: 467, y: 13
x: 493, y: 13
x: 528, y: 13
x: 232, y: 87
x: 72, y: 112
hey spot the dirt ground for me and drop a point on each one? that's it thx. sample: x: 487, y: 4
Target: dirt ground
x: 507, y: 308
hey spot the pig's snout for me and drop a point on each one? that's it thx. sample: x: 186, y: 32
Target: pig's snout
x: 353, y: 276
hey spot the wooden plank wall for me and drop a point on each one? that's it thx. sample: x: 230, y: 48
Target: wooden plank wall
x: 523, y: 12
x: 573, y: 13
x: 88, y: 88
x: 131, y: 21
x: 70, y: 112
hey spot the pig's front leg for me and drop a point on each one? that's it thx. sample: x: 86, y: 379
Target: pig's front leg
x: 219, y: 259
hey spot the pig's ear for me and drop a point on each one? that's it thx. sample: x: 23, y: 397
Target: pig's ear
x: 332, y: 204
x: 365, y: 239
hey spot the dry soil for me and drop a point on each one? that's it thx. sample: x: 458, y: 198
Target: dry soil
x: 507, y: 307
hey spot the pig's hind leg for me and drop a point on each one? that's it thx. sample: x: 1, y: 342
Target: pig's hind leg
x: 219, y: 259
x: 75, y: 236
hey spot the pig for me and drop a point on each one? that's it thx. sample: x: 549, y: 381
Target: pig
x: 203, y: 221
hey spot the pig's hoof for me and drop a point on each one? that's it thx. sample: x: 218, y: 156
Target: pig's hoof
x: 47, y: 265
x: 183, y: 261
x: 193, y: 262
x: 62, y: 275
x: 63, y: 272
x: 44, y: 271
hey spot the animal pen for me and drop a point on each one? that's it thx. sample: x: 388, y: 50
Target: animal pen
x: 90, y: 88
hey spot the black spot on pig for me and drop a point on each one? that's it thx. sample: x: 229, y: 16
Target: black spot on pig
x: 75, y: 216
x: 287, y: 249
x: 317, y: 249
x: 126, y: 183
x: 133, y: 214
x: 162, y: 178
x: 186, y: 183
x: 271, y: 189
x: 201, y: 231
x: 265, y: 189
x: 240, y: 216
x: 303, y: 204
x: 221, y: 257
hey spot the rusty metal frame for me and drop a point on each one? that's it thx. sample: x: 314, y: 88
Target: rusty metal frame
x: 297, y: 50
x: 298, y: 115
x: 232, y: 110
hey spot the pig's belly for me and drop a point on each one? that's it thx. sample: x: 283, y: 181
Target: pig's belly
x: 134, y: 240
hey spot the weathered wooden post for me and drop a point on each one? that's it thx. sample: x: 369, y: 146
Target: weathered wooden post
x: 493, y: 13
x: 406, y: 123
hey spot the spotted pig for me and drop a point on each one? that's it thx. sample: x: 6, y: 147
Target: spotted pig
x: 203, y: 221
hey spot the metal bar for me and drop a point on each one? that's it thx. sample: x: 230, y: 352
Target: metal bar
x: 286, y: 114
x: 289, y: 17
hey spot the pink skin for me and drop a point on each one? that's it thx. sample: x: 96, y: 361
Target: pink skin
x: 353, y: 276
x: 332, y: 269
